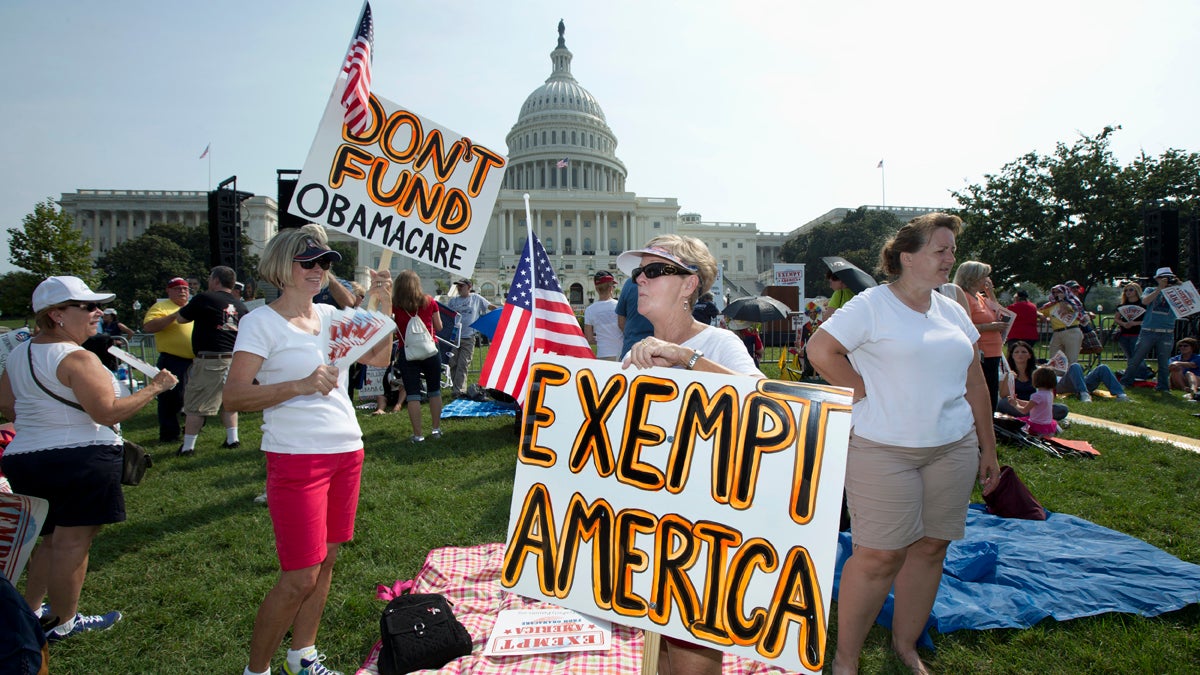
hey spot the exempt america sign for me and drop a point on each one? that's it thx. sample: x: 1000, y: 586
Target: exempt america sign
x: 404, y: 184
x: 699, y: 506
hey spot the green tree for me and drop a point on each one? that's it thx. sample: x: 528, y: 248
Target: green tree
x: 16, y: 293
x: 139, y: 269
x: 349, y: 250
x: 47, y: 244
x: 1075, y: 214
x: 858, y: 237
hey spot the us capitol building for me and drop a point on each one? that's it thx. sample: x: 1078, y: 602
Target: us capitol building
x: 561, y: 151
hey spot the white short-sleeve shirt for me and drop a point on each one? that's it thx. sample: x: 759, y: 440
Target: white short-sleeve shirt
x: 304, y: 425
x: 914, y: 367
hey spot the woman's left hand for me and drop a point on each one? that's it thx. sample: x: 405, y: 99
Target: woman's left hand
x: 651, y: 351
x: 989, y: 470
x: 381, y: 286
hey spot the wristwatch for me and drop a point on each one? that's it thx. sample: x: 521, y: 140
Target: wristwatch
x: 696, y: 354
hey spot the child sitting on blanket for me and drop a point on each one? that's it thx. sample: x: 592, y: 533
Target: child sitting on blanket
x: 1038, y: 411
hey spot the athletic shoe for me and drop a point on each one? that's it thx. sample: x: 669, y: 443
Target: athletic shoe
x: 261, y: 499
x: 311, y: 666
x: 436, y: 433
x: 85, y: 624
x: 1123, y: 398
x: 416, y: 439
x: 1085, y: 397
x: 181, y: 452
x: 44, y: 610
x: 235, y: 444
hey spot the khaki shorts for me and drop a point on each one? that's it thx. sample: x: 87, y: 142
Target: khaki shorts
x: 206, y: 378
x: 898, y: 495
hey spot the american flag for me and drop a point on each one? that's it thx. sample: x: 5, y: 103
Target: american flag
x: 555, y: 331
x: 358, y: 70
x: 879, y: 165
x: 205, y: 153
x: 562, y: 163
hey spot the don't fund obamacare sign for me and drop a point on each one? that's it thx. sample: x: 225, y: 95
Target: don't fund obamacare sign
x: 700, y: 506
x: 405, y: 184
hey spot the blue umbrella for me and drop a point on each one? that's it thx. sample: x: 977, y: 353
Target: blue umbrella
x: 487, y: 323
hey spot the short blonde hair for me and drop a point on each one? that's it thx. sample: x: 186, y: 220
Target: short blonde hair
x: 275, y: 266
x: 693, y: 252
x: 970, y: 274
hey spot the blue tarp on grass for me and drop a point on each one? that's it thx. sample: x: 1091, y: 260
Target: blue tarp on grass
x: 465, y: 407
x: 1010, y: 573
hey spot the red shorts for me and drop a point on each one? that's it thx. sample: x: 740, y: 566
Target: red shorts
x: 313, y: 500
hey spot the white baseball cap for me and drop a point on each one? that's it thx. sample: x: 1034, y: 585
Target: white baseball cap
x: 56, y: 290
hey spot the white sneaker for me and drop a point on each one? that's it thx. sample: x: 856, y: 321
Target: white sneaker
x: 1085, y: 397
x: 1123, y: 398
x: 261, y: 499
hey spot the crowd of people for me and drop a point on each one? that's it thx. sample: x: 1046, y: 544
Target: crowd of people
x: 922, y: 427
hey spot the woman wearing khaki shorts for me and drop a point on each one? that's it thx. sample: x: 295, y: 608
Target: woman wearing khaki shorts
x: 922, y: 431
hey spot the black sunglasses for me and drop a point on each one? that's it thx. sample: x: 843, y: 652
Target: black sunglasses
x: 656, y: 270
x: 86, y: 306
x: 325, y: 263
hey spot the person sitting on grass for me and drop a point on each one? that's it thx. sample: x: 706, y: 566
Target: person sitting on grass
x: 1038, y: 411
x: 1019, y: 383
x: 1184, y: 367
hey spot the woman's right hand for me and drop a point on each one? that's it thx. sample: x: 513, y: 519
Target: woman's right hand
x: 322, y: 380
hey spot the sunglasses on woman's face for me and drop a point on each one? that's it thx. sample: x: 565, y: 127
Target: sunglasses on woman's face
x: 656, y: 270
x: 309, y: 264
x: 86, y: 306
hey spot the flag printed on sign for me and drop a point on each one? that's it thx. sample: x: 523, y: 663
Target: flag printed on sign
x: 555, y: 328
x: 357, y: 67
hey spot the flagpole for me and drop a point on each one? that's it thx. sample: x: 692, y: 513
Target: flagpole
x: 882, y: 184
x: 532, y: 273
x: 210, y: 168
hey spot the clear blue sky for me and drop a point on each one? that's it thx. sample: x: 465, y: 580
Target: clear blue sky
x: 766, y: 112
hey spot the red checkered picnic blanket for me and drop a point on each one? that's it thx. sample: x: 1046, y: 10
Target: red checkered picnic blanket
x: 470, y: 579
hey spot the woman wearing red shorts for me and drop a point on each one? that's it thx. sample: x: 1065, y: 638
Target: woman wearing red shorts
x: 311, y: 437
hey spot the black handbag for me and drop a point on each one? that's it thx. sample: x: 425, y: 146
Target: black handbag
x: 418, y: 630
x: 135, y: 461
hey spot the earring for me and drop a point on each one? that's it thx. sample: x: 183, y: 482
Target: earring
x: 60, y: 324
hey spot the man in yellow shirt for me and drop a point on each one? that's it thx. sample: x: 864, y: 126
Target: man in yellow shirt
x: 174, y: 341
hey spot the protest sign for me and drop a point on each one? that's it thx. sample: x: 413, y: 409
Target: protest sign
x: 696, y: 505
x: 10, y: 340
x: 372, y: 383
x: 1183, y: 298
x: 790, y: 274
x: 405, y: 183
x: 546, y: 631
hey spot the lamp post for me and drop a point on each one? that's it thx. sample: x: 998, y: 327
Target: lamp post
x: 137, y: 309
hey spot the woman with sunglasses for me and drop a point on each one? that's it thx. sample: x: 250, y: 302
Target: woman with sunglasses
x: 922, y: 432
x: 671, y: 272
x: 67, y: 450
x: 311, y: 438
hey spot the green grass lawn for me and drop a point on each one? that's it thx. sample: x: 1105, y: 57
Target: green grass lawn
x: 196, y: 556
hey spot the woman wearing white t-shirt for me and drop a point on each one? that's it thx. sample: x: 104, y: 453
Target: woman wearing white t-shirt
x: 922, y: 431
x: 311, y: 437
x: 671, y: 273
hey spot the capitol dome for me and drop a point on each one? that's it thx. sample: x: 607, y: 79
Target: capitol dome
x: 561, y: 139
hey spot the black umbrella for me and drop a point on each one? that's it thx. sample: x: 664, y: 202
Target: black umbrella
x: 854, y: 278
x: 757, y: 309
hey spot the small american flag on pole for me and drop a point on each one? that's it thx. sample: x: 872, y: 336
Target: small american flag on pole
x: 205, y: 153
x: 563, y: 163
x: 358, y: 71
x: 555, y: 329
